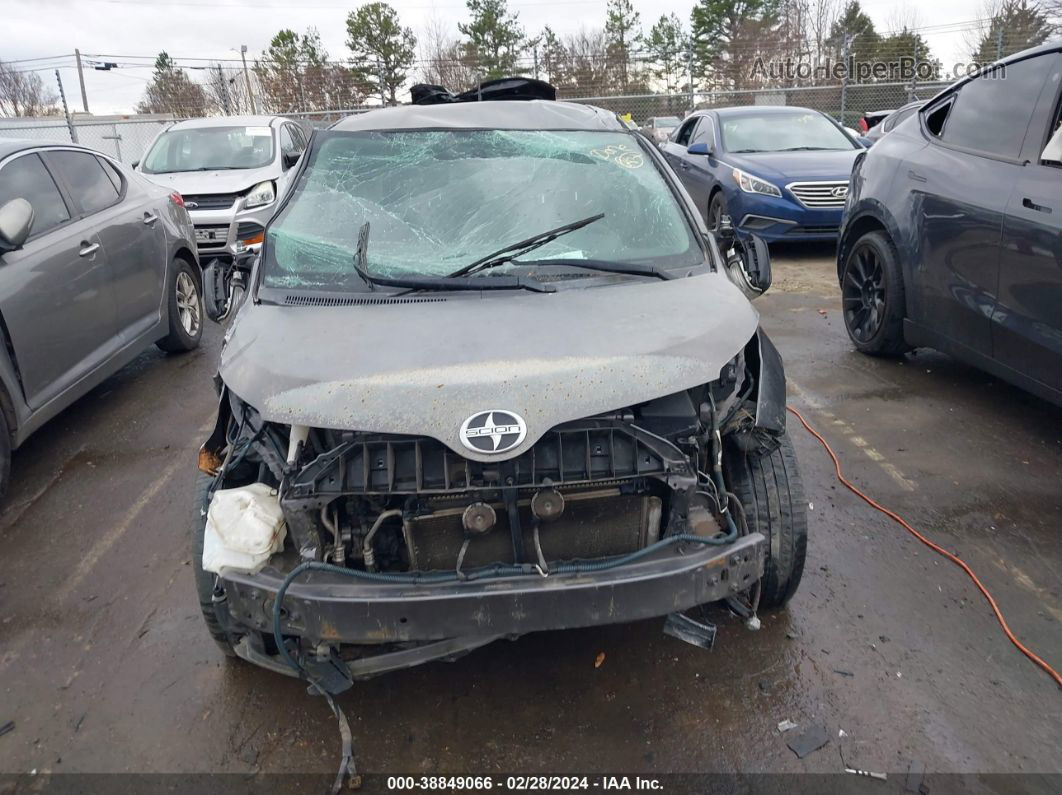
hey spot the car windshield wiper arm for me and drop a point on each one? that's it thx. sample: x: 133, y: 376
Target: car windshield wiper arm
x: 510, y: 252
x: 605, y: 266
x: 438, y: 282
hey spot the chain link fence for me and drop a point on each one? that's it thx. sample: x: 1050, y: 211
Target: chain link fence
x: 123, y: 139
x: 128, y: 138
x: 844, y: 103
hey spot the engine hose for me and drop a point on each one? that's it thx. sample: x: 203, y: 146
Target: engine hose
x: 498, y: 570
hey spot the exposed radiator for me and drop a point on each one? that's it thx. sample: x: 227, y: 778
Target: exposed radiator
x: 594, y: 524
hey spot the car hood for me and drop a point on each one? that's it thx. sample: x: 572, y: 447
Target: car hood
x: 423, y: 365
x: 224, y: 181
x: 783, y: 167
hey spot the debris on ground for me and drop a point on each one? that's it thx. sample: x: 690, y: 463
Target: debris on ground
x: 7, y: 727
x: 811, y: 740
x: 866, y: 773
x: 599, y: 660
x: 843, y: 672
x: 786, y: 725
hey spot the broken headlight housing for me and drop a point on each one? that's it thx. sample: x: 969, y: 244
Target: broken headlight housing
x: 261, y: 194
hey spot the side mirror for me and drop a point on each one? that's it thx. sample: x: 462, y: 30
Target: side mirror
x: 748, y: 265
x: 134, y: 164
x: 214, y: 291
x: 701, y: 148
x: 16, y: 220
x: 290, y: 158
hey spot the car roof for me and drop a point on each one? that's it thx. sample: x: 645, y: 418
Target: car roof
x: 535, y: 114
x: 8, y: 146
x: 761, y: 110
x: 228, y: 121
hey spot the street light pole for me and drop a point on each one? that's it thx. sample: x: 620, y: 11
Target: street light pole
x: 247, y: 78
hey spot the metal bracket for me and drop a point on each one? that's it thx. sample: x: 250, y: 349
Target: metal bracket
x: 681, y: 626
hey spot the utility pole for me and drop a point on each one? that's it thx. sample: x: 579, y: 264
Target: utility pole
x: 81, y: 79
x: 247, y: 78
x: 223, y: 87
x: 66, y: 111
x: 535, y: 51
x: 383, y: 88
x: 999, y: 42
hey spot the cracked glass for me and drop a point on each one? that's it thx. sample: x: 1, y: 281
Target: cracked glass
x: 439, y: 200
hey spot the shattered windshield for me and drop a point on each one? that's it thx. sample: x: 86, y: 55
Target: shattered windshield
x: 439, y: 200
x: 210, y: 149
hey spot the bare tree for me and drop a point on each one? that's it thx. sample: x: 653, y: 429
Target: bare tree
x: 226, y: 89
x: 23, y: 93
x: 444, y: 61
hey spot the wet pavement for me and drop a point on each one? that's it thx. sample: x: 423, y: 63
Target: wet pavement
x: 105, y: 665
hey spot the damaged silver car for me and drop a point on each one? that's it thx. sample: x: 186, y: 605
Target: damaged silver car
x: 492, y: 376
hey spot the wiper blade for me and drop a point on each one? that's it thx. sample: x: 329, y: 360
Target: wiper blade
x: 463, y: 283
x: 805, y: 149
x: 438, y: 282
x: 605, y: 266
x: 510, y: 252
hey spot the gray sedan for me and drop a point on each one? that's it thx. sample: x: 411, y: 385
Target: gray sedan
x: 96, y: 264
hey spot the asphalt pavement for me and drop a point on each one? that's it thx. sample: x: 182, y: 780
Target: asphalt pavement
x: 105, y: 666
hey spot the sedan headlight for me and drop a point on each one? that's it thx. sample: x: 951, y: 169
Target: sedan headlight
x: 261, y: 194
x: 751, y: 184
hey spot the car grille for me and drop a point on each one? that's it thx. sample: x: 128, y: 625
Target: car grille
x: 820, y: 195
x: 813, y: 230
x: 212, y: 236
x: 210, y: 201
x: 408, y: 464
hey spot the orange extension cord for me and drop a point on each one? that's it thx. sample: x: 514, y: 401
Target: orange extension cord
x: 953, y: 558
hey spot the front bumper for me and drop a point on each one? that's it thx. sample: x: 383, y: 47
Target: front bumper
x: 225, y: 233
x: 337, y: 609
x: 776, y: 219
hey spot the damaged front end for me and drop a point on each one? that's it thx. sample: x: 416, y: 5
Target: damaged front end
x: 400, y: 550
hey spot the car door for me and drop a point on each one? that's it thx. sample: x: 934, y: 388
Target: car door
x: 55, y: 292
x: 957, y: 190
x: 675, y: 148
x: 1027, y: 323
x: 698, y: 173
x: 127, y: 222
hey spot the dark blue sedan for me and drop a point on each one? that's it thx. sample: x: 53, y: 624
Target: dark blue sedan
x: 778, y: 172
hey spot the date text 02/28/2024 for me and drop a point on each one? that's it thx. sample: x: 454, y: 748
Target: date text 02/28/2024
x: 521, y: 783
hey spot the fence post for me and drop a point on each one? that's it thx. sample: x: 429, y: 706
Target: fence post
x: 914, y: 75
x: 66, y: 111
x: 844, y: 76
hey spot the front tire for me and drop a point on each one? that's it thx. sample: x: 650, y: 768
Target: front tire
x: 5, y: 455
x: 872, y: 295
x: 770, y: 490
x: 185, y: 301
x: 717, y: 212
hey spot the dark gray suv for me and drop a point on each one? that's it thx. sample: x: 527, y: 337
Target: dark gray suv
x: 952, y: 236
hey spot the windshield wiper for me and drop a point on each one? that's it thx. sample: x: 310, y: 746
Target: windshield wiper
x: 510, y: 252
x: 605, y: 266
x: 806, y: 149
x: 438, y: 282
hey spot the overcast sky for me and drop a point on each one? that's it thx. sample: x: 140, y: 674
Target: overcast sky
x: 216, y: 29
